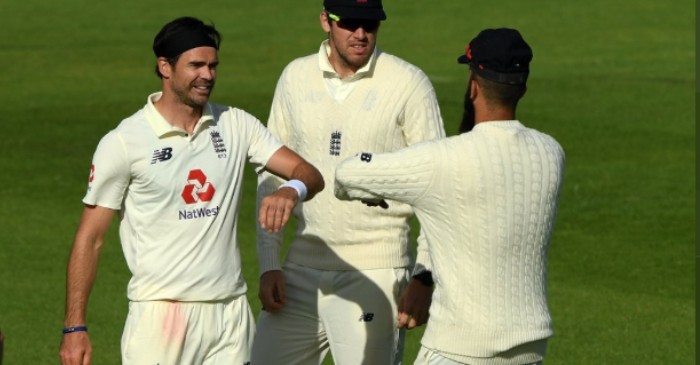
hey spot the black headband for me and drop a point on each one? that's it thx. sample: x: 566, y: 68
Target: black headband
x: 184, y: 41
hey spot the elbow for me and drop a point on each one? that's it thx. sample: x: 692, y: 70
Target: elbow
x: 318, y: 186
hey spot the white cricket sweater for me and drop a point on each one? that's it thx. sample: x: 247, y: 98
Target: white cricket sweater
x: 391, y: 105
x: 486, y: 201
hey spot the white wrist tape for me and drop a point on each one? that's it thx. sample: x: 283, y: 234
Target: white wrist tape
x: 298, y: 186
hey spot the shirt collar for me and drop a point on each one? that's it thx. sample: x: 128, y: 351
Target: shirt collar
x: 162, y: 127
x: 328, y: 71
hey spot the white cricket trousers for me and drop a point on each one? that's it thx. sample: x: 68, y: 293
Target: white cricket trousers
x: 191, y: 333
x: 352, y: 313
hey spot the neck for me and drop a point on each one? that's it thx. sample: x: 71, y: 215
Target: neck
x: 342, y: 68
x: 178, y: 114
x: 487, y: 113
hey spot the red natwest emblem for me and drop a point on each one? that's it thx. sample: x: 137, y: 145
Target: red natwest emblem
x: 198, y: 188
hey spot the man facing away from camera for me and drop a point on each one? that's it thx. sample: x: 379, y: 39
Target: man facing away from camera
x: 346, y: 284
x: 174, y: 171
x: 487, y: 201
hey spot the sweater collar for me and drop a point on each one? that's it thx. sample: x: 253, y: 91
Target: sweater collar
x: 499, y: 124
x: 328, y: 71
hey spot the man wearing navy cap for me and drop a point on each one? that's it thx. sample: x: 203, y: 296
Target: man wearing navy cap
x: 173, y: 172
x: 348, y: 283
x: 487, y: 201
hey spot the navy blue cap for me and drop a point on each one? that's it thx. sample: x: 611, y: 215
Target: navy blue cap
x: 355, y: 9
x: 499, y: 55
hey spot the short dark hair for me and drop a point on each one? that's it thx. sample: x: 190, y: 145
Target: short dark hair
x: 506, y: 95
x: 181, y: 35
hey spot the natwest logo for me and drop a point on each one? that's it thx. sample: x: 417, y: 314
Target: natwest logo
x: 198, y: 188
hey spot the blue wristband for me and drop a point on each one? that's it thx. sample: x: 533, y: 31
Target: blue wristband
x: 75, y: 329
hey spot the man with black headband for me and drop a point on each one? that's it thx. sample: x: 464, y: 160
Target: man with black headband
x: 346, y: 284
x: 174, y: 171
x: 487, y: 200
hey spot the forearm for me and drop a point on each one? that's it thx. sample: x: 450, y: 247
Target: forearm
x: 310, y: 176
x: 267, y: 243
x: 402, y: 176
x: 80, y: 276
x: 82, y: 263
x: 288, y: 165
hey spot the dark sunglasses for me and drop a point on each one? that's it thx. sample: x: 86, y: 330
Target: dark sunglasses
x: 368, y: 25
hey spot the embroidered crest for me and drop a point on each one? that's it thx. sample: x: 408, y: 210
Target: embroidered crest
x: 218, y: 143
x: 335, y: 143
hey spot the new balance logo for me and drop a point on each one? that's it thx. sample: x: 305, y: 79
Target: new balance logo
x: 162, y: 155
x: 335, y: 143
x: 366, y: 317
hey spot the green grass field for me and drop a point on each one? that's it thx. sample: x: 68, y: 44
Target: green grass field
x: 612, y: 81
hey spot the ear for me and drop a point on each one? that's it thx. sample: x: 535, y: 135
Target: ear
x: 474, y: 88
x: 324, y: 22
x: 165, y: 67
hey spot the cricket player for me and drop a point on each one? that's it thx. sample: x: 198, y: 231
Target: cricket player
x: 173, y: 172
x: 486, y: 201
x: 348, y: 283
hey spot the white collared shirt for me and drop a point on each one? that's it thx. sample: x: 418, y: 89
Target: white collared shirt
x: 339, y: 87
x: 178, y: 197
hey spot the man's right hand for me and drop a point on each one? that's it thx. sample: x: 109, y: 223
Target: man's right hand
x: 272, y: 291
x: 76, y: 349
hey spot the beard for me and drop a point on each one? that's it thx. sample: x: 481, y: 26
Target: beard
x: 467, y: 123
x: 193, y: 100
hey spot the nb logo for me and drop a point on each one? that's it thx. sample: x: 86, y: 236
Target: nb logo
x: 366, y: 317
x: 366, y: 157
x: 163, y: 155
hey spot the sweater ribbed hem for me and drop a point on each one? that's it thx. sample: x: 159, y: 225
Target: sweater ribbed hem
x: 480, y: 344
x: 268, y: 260
x: 526, y: 353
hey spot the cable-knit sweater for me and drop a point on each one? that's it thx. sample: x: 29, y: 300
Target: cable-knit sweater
x: 486, y: 201
x: 391, y: 104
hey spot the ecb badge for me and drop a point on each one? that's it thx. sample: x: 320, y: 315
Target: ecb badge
x: 335, y: 143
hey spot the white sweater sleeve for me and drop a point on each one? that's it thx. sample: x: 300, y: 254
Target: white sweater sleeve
x: 403, y: 176
x: 269, y: 244
x: 422, y: 121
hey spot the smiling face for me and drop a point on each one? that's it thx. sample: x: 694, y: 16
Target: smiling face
x: 352, y: 42
x: 191, y: 79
